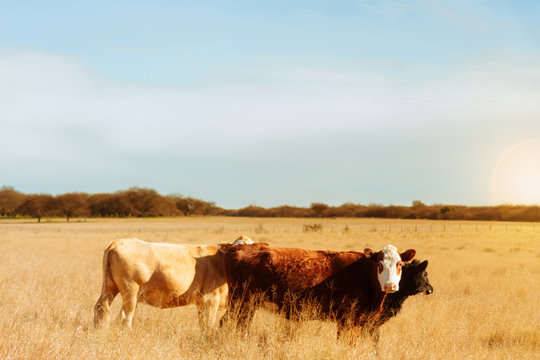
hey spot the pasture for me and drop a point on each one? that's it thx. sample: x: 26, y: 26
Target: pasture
x: 485, y: 305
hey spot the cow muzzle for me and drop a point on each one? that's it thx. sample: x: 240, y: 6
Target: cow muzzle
x: 390, y: 288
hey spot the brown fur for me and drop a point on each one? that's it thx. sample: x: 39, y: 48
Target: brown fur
x: 341, y: 286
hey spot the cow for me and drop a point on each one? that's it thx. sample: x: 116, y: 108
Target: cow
x: 348, y: 287
x: 163, y: 275
x: 414, y: 280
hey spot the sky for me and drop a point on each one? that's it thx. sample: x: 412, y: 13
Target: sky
x: 271, y: 102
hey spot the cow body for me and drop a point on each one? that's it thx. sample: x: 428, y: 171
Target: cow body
x: 341, y: 286
x: 162, y: 275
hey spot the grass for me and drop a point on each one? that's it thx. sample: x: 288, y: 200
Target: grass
x: 486, y: 303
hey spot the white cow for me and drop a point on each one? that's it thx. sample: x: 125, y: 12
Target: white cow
x: 163, y: 275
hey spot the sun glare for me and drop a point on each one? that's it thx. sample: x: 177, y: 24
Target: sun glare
x: 516, y: 177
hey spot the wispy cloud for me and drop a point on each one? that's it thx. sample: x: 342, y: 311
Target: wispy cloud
x: 56, y: 114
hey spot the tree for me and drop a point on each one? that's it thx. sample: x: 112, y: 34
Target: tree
x: 318, y: 208
x: 148, y: 202
x: 98, y: 205
x: 37, y: 206
x: 72, y: 204
x: 10, y: 200
x: 189, y: 206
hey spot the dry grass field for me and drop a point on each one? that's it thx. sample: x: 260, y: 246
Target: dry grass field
x: 486, y: 303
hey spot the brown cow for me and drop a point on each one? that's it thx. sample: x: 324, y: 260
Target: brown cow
x: 163, y: 275
x: 348, y: 287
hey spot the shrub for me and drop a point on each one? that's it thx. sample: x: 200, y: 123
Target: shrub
x: 313, y: 228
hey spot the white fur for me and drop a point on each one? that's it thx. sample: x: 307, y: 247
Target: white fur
x: 389, y: 274
x: 243, y: 239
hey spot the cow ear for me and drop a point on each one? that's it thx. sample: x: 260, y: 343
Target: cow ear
x: 375, y: 256
x: 368, y: 251
x: 408, y: 255
x: 422, y: 266
x: 223, y: 247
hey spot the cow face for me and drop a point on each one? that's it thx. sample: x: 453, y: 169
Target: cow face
x: 419, y: 277
x: 243, y: 239
x: 389, y: 263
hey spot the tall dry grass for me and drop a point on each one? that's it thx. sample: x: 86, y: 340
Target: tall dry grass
x: 486, y: 303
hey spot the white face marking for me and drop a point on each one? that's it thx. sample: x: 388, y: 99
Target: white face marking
x: 389, y: 277
x: 243, y: 239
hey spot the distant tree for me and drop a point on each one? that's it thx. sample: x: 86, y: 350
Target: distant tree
x: 147, y: 202
x: 318, y: 208
x: 446, y: 209
x: 112, y: 205
x: 346, y: 210
x: 72, y: 204
x: 418, y: 203
x: 190, y: 206
x: 98, y: 205
x: 37, y: 206
x: 289, y: 211
x: 252, y: 211
x: 10, y: 200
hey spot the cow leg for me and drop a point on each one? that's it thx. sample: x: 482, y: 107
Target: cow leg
x: 239, y: 313
x: 347, y: 332
x: 375, y: 334
x: 245, y: 315
x: 129, y: 305
x: 207, y: 311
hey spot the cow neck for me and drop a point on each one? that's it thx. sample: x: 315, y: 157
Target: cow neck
x: 367, y: 272
x: 394, y: 301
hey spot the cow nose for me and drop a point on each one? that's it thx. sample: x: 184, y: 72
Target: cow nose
x: 429, y: 291
x: 390, y: 287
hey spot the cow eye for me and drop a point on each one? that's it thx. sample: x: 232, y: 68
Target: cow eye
x: 380, y: 268
x: 400, y: 263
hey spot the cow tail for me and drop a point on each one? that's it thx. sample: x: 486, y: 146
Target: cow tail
x: 108, y: 281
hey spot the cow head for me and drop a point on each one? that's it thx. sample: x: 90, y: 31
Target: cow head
x: 415, y: 279
x: 389, y: 263
x: 243, y: 239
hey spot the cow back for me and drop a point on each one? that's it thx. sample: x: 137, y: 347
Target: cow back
x: 328, y: 278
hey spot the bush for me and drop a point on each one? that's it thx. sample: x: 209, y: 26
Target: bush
x: 313, y: 228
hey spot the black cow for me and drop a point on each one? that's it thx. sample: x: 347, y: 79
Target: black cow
x: 414, y: 280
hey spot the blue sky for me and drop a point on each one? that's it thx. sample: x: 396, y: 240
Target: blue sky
x: 267, y: 103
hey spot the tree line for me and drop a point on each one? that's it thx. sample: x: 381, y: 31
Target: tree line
x: 417, y: 210
x: 144, y: 202
x: 134, y: 202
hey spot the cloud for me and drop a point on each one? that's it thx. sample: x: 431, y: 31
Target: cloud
x: 346, y: 133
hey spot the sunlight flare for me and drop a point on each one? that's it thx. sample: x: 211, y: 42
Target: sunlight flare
x: 516, y: 176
